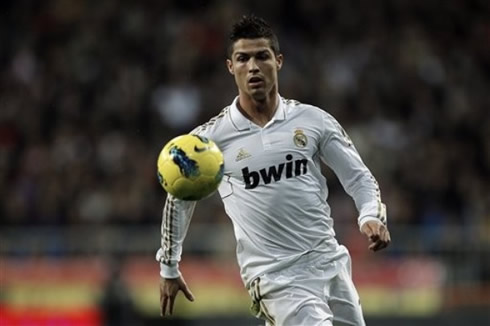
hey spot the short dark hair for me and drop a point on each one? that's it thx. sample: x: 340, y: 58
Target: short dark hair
x: 252, y: 27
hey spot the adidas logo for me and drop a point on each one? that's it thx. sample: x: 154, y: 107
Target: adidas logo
x: 242, y: 154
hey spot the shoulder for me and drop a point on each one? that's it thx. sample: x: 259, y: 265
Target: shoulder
x: 308, y: 112
x: 315, y: 117
x: 213, y: 123
x: 295, y: 106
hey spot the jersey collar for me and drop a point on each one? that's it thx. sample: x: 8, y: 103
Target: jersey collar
x: 240, y: 122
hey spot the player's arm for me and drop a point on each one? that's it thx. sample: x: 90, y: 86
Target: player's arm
x: 339, y: 153
x: 176, y: 218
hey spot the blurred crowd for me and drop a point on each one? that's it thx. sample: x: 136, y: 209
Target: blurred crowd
x: 90, y: 91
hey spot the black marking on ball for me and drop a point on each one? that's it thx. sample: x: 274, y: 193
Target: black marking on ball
x: 187, y: 166
x: 202, y: 139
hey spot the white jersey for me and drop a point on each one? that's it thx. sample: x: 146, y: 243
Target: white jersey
x: 273, y: 189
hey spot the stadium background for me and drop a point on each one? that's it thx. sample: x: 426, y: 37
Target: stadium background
x: 91, y: 90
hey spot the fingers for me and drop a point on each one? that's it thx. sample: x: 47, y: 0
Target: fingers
x: 163, y: 306
x: 370, y: 229
x: 376, y: 230
x: 167, y: 305
x: 385, y: 235
x: 168, y: 292
x: 382, y: 241
x: 378, y: 245
x: 171, y: 305
x: 187, y: 292
x: 167, y: 297
x: 378, y: 235
x: 163, y: 301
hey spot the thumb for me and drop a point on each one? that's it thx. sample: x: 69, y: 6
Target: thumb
x: 187, y: 292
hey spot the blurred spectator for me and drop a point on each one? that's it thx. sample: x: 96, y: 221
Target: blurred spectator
x: 90, y: 91
x: 116, y: 302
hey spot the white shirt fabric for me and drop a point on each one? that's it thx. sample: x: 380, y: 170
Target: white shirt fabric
x: 273, y: 189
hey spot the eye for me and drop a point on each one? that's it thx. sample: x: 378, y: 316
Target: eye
x: 263, y: 56
x: 242, y: 58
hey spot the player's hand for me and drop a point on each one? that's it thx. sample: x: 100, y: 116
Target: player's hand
x: 168, y: 291
x: 378, y: 235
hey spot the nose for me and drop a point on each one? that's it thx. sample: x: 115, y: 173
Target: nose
x: 252, y: 66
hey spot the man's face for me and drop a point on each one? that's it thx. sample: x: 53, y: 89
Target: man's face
x: 255, y: 67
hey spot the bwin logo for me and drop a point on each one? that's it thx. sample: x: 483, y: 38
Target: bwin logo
x: 252, y: 178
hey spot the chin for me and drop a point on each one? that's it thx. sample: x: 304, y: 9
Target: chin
x: 258, y: 94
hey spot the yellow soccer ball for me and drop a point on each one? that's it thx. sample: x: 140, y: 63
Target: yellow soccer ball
x: 190, y: 167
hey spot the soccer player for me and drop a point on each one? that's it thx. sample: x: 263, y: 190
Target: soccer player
x: 276, y: 196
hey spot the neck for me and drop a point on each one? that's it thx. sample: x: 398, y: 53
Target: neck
x: 259, y: 111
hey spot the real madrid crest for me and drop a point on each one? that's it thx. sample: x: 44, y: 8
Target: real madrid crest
x: 300, y: 139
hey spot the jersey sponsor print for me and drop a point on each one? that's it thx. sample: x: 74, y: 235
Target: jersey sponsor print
x: 289, y: 169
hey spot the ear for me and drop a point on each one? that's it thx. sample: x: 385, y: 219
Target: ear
x: 279, y: 61
x: 229, y: 65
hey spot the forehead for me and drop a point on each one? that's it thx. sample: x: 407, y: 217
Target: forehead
x: 251, y: 45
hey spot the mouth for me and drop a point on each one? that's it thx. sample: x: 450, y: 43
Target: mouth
x: 255, y: 81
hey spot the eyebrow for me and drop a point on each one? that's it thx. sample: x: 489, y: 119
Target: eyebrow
x: 252, y: 52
